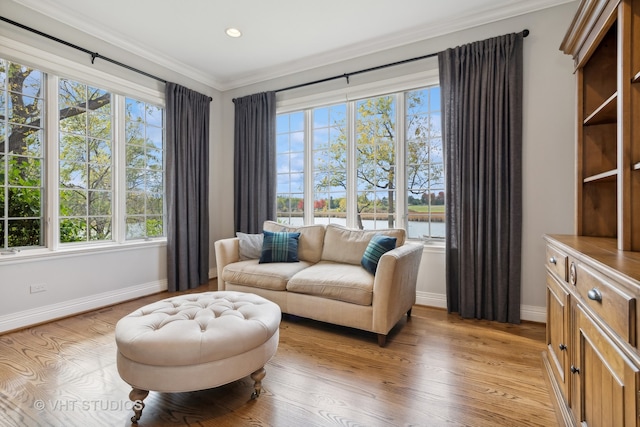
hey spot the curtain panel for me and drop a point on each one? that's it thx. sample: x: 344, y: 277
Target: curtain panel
x: 481, y: 91
x: 254, y: 161
x: 187, y: 157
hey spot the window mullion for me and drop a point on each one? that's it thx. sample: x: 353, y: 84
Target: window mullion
x: 352, y: 175
x: 52, y: 163
x: 119, y: 169
x: 309, y: 194
x: 401, y: 161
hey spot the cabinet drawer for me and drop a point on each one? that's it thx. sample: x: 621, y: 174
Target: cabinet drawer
x: 612, y: 305
x: 557, y: 262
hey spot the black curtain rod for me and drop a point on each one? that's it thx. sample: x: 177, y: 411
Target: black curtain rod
x: 93, y: 55
x: 346, y: 76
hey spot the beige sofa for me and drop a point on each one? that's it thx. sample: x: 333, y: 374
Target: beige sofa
x: 328, y: 282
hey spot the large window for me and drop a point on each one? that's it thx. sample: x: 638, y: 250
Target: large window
x: 374, y: 163
x: 106, y: 152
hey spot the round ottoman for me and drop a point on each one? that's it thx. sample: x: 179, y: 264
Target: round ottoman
x: 195, y: 342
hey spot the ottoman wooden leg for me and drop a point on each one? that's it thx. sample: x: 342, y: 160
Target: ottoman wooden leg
x: 137, y: 396
x: 257, y: 376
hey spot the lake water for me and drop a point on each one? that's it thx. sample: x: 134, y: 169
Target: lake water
x: 417, y: 230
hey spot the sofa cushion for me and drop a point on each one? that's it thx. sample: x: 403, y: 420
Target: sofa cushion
x: 272, y: 276
x: 343, y: 244
x: 310, y: 242
x: 250, y: 245
x: 378, y: 246
x: 338, y: 281
x: 279, y: 247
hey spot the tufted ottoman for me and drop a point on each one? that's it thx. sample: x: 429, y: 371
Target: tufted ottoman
x: 195, y: 342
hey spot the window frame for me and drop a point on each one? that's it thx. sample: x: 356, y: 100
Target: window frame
x: 55, y: 67
x: 395, y: 86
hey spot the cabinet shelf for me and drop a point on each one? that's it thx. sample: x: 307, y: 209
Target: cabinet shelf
x: 602, y: 177
x: 606, y: 113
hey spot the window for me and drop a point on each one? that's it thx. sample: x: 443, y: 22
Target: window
x: 106, y: 152
x: 145, y: 170
x: 375, y: 163
x: 330, y: 164
x: 290, y: 167
x: 425, y: 164
x: 85, y: 168
x: 21, y: 156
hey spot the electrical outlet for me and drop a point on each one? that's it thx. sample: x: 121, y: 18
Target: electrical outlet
x: 40, y: 287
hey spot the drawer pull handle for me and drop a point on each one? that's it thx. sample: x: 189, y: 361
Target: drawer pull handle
x: 562, y: 347
x: 552, y: 260
x: 595, y: 295
x: 574, y: 370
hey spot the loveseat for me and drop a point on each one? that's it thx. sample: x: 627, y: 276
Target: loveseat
x: 326, y: 279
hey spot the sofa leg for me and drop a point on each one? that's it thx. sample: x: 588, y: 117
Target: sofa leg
x: 382, y: 340
x: 409, y: 313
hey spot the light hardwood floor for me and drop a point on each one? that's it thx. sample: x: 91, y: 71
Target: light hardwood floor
x: 436, y: 370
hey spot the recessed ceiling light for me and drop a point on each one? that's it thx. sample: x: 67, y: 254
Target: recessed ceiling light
x: 233, y: 32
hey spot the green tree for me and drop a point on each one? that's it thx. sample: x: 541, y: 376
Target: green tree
x: 85, y: 168
x: 21, y: 154
x: 376, y: 140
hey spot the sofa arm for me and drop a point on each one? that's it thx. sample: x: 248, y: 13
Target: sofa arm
x: 227, y: 252
x: 394, y: 286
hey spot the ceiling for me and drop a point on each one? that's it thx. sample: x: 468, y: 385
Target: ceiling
x: 280, y: 37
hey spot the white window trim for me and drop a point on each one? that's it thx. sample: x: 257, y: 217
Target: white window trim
x: 58, y: 67
x: 53, y: 64
x: 368, y: 90
x: 397, y: 85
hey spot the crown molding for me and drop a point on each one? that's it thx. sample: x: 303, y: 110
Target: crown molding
x: 408, y: 36
x: 84, y: 24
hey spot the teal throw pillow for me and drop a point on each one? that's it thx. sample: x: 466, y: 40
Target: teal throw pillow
x: 279, y: 247
x: 378, y: 246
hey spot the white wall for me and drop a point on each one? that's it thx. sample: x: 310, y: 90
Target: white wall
x: 81, y: 281
x: 548, y: 152
x: 78, y: 282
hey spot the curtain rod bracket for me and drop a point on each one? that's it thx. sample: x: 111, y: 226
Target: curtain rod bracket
x: 346, y: 76
x: 94, y: 55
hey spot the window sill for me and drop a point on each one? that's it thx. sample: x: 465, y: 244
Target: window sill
x: 35, y: 254
x: 436, y: 245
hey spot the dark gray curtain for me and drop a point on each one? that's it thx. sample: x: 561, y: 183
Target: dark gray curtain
x: 481, y: 90
x: 254, y: 161
x: 187, y: 163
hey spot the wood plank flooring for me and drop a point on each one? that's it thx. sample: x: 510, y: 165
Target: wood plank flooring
x: 436, y: 370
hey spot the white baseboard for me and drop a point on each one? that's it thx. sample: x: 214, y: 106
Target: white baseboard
x: 533, y: 313
x: 51, y: 312
x: 527, y: 312
x: 431, y: 299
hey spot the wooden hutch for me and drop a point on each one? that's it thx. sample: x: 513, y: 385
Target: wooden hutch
x: 592, y: 358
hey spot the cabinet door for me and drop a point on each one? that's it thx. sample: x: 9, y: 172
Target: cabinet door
x: 604, y: 380
x: 557, y: 332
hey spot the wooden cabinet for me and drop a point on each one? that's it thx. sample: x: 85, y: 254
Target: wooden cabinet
x: 558, y: 333
x: 593, y: 279
x: 605, y: 380
x: 592, y: 359
x: 604, y: 40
